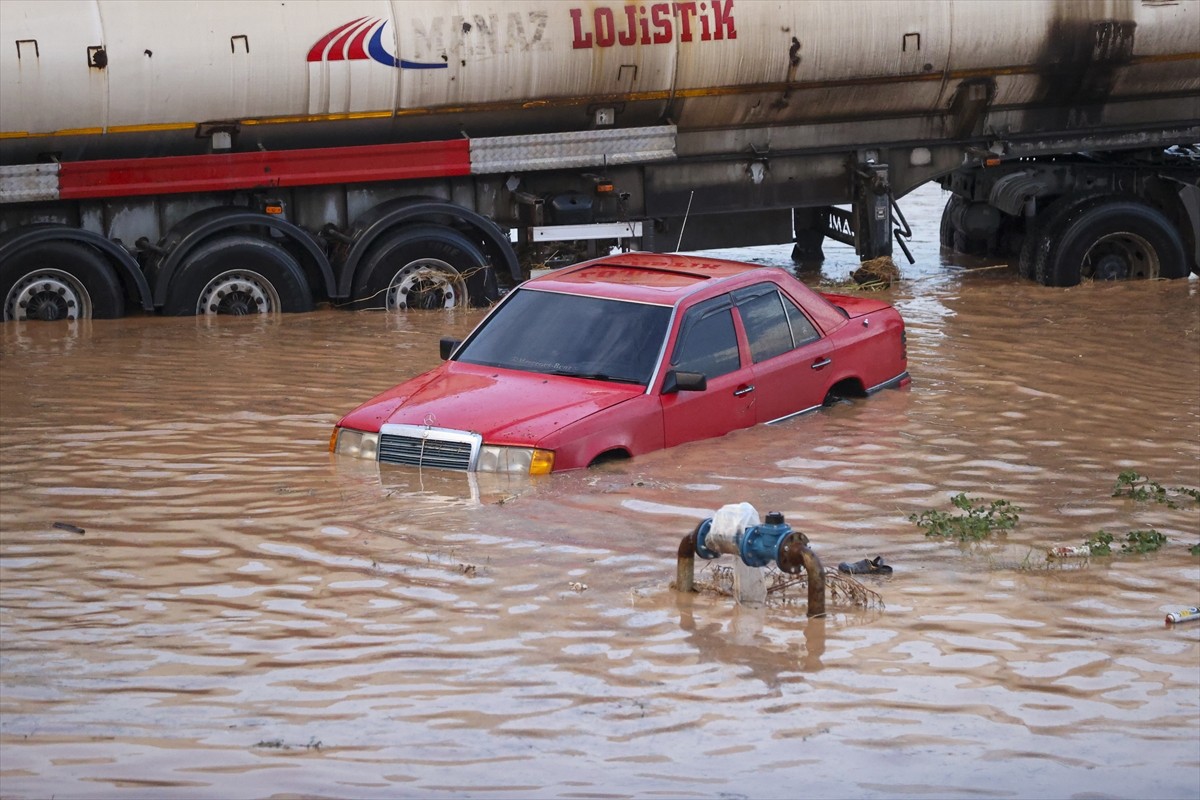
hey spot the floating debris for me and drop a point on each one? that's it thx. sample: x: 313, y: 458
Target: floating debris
x: 66, y: 526
x: 868, y: 566
x: 1069, y: 551
x: 1191, y: 614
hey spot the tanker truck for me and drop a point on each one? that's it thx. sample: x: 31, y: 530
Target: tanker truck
x: 256, y: 157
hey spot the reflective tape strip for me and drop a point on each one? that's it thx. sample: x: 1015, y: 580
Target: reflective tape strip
x: 572, y: 149
x: 129, y: 177
x: 324, y: 166
x: 599, y: 230
x: 23, y: 183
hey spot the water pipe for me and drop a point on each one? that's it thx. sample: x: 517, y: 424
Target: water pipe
x: 756, y: 546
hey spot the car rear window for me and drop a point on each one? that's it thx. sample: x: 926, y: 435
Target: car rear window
x: 562, y: 334
x: 773, y: 323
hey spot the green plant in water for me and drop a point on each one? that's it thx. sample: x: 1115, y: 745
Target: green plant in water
x: 1143, y: 541
x: 979, y: 521
x: 1139, y: 487
x: 1101, y: 544
x: 1195, y: 549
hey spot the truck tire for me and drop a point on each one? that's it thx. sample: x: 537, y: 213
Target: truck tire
x: 423, y: 266
x: 1046, y: 225
x: 1108, y: 239
x: 1027, y: 258
x: 60, y: 280
x: 946, y: 230
x: 238, y: 274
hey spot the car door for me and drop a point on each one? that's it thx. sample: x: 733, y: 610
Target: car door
x: 709, y: 343
x: 790, y: 359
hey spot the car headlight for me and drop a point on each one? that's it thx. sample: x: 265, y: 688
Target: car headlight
x: 348, y: 442
x: 523, y: 460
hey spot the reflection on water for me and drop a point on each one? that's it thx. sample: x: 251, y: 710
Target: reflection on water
x: 245, y: 615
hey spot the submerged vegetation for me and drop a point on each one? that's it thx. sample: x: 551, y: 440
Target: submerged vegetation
x: 1142, y: 489
x: 1101, y: 544
x: 979, y: 519
x: 1139, y: 487
x: 977, y: 523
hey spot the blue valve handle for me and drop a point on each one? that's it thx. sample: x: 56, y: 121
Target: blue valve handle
x: 756, y: 546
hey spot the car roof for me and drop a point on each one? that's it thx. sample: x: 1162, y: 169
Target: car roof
x: 658, y: 278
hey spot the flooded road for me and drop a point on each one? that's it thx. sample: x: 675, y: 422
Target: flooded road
x: 246, y: 616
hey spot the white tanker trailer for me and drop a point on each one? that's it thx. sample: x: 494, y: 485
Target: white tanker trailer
x: 213, y: 157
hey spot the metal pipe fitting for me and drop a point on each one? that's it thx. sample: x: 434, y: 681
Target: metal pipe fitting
x: 756, y: 546
x: 685, y: 565
x: 795, y: 555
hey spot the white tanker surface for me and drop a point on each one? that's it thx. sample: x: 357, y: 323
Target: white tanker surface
x: 95, y: 78
x: 255, y: 157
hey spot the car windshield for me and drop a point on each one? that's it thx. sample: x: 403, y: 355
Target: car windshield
x: 563, y: 334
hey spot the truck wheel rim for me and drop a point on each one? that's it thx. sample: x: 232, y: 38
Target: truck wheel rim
x: 427, y: 283
x: 238, y: 293
x: 1120, y: 256
x: 50, y: 295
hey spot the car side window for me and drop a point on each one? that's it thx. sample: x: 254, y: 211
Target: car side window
x: 707, y: 340
x: 774, y: 325
x: 803, y: 331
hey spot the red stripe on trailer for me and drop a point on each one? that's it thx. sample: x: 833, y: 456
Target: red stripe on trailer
x: 127, y: 177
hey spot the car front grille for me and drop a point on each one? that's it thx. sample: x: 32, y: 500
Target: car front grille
x: 436, y: 448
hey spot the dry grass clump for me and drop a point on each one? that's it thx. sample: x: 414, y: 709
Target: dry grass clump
x: 876, y: 273
x: 792, y: 590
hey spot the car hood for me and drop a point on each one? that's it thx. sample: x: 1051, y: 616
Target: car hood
x: 505, y: 406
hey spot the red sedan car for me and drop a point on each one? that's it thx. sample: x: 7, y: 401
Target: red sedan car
x: 626, y: 354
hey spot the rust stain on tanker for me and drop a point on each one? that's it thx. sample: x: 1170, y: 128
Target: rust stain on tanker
x: 1079, y: 65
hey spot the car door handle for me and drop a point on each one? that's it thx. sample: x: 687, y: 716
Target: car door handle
x: 744, y: 390
x: 824, y: 362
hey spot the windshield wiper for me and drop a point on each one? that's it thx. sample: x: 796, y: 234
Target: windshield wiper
x: 595, y: 376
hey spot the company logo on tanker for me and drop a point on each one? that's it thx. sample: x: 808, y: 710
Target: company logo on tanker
x: 360, y: 40
x: 435, y: 41
x: 653, y: 23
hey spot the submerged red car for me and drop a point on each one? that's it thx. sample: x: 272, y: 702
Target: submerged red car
x: 624, y: 355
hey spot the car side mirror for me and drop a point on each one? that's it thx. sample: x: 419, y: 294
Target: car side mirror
x: 447, y: 346
x: 677, y: 381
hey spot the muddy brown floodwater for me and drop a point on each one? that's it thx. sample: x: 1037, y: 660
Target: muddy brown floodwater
x: 246, y: 616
